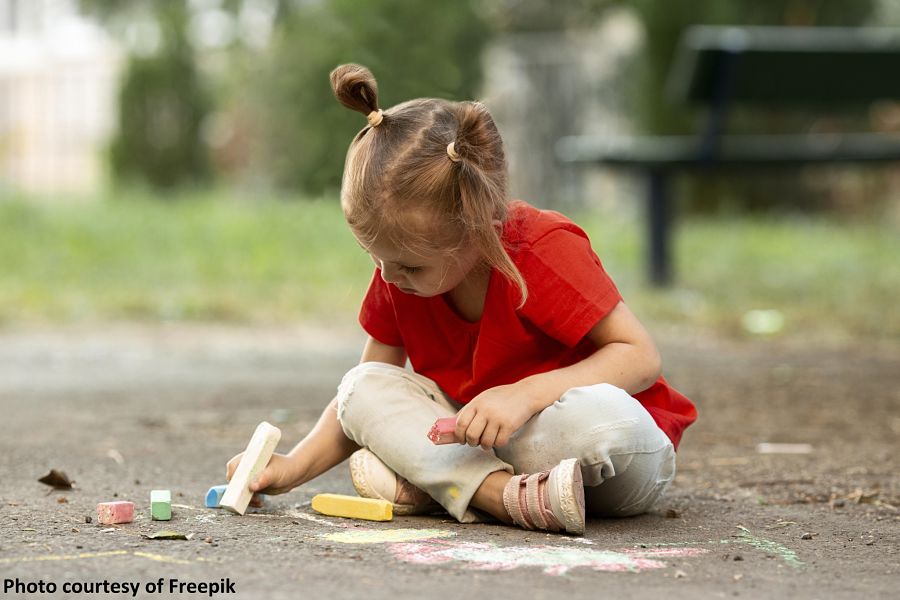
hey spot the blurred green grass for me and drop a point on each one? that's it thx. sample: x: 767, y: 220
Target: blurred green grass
x: 826, y: 278
x: 193, y: 258
x: 209, y: 257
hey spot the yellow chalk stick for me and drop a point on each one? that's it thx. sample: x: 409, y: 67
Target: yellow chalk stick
x: 353, y: 507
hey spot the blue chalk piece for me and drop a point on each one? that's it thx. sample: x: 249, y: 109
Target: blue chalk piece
x: 214, y: 496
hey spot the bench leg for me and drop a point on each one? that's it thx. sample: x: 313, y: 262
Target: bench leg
x: 659, y: 219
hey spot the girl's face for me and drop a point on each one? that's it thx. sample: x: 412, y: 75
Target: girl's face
x: 422, y: 275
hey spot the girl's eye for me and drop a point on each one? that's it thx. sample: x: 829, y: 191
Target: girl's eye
x: 410, y: 269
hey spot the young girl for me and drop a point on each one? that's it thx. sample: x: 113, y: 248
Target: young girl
x: 509, y: 322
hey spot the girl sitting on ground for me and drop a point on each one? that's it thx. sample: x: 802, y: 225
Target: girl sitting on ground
x: 509, y: 322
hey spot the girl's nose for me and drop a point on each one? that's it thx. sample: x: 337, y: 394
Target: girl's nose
x: 389, y: 274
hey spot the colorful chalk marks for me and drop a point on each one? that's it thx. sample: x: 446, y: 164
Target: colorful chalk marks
x: 769, y: 547
x: 553, y: 560
x: 435, y: 546
x: 386, y: 536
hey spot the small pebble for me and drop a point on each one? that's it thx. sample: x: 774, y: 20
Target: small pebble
x: 738, y: 557
x: 88, y: 519
x: 806, y: 536
x: 208, y: 540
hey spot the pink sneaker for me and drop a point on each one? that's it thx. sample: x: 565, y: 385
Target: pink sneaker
x: 374, y: 479
x: 550, y: 500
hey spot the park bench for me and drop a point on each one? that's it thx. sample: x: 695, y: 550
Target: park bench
x: 816, y: 69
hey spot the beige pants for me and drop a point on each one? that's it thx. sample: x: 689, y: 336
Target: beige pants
x: 626, y: 459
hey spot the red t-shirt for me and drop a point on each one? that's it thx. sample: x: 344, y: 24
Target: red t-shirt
x: 568, y: 293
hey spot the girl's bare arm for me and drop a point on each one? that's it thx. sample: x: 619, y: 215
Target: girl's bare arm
x: 626, y: 357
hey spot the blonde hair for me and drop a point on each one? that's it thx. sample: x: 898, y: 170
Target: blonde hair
x: 404, y: 179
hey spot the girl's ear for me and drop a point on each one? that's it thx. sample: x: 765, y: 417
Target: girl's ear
x: 498, y: 226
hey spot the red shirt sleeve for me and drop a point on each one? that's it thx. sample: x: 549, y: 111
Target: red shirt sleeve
x: 377, y: 315
x: 568, y: 290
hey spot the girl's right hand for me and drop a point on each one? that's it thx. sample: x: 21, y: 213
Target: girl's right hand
x: 278, y: 477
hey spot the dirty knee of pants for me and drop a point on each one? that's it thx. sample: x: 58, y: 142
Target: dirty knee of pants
x: 359, y: 395
x: 636, y: 489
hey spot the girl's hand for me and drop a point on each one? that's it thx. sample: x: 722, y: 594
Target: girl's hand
x: 493, y: 416
x: 279, y: 476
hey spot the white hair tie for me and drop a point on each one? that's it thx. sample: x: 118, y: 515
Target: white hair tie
x: 451, y: 152
x: 375, y: 118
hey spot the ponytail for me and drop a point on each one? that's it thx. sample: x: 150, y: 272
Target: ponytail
x: 483, y: 187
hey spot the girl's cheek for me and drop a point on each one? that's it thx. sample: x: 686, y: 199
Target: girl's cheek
x: 420, y: 284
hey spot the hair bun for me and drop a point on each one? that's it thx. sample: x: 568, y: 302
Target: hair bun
x: 355, y: 87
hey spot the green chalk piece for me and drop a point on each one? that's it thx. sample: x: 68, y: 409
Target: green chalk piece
x: 161, y: 505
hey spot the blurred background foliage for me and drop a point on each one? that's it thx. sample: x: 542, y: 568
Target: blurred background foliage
x: 281, y: 94
x: 414, y: 49
x: 162, y: 103
x: 162, y: 106
x: 272, y: 119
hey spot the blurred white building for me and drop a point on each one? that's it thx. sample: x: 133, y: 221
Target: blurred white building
x: 58, y: 78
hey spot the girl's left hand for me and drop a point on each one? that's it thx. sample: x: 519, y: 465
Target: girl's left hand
x: 493, y: 416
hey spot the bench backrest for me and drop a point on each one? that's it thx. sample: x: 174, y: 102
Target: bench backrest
x: 781, y: 66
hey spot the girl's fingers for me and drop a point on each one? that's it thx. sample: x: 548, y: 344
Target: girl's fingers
x: 475, y: 429
x: 489, y: 437
x: 231, y: 466
x: 463, y: 419
x: 261, y: 482
x: 502, y: 438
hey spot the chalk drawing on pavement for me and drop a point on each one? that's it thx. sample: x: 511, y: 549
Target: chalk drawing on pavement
x: 552, y: 560
x: 769, y: 547
x: 435, y: 546
x: 386, y: 536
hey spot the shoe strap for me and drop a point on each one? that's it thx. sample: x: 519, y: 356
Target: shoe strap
x: 533, y: 502
x: 513, y: 502
x: 524, y: 501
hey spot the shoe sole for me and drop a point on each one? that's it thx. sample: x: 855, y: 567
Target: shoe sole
x: 359, y: 475
x: 567, y: 486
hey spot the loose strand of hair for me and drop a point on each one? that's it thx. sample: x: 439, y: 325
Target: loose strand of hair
x: 483, y: 202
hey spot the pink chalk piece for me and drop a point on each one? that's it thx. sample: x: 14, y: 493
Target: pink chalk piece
x: 442, y: 432
x: 110, y: 513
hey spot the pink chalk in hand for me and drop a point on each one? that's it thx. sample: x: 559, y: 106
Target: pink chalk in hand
x: 442, y: 432
x: 110, y: 513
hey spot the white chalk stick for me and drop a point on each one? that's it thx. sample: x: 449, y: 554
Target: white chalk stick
x: 237, y: 495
